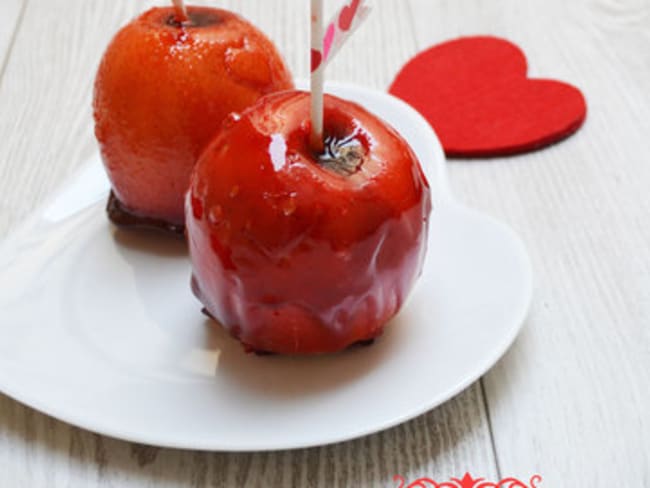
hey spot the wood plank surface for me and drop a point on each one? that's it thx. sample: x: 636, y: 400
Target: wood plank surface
x: 11, y: 16
x: 46, y: 128
x: 571, y: 399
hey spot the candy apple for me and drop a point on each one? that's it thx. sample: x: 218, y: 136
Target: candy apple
x: 162, y: 90
x: 303, y: 252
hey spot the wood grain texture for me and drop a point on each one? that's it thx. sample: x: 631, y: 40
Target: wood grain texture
x: 9, y: 24
x: 11, y: 16
x: 571, y: 399
x: 37, y: 451
x: 46, y: 128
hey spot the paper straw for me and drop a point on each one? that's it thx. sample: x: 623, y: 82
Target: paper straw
x: 341, y: 27
x: 317, y: 75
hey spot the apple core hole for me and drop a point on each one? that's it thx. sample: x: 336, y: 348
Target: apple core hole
x: 343, y: 156
x: 196, y: 18
x: 345, y: 145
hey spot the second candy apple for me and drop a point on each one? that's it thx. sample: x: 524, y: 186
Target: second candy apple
x: 162, y: 90
x: 300, y: 252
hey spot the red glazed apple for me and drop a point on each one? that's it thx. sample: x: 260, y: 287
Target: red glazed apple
x: 300, y: 253
x: 162, y: 90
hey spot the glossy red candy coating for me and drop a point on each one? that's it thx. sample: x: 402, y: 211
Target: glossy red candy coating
x: 294, y: 258
x: 163, y: 89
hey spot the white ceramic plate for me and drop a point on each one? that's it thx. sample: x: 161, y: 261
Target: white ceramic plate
x: 98, y: 327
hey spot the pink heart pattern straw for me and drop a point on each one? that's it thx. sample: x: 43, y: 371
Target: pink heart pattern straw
x: 325, y: 43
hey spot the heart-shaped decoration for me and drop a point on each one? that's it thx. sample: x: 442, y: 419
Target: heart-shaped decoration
x: 347, y: 15
x: 475, y: 94
x: 316, y: 59
x: 328, y: 40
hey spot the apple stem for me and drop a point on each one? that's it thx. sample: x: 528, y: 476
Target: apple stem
x: 181, y: 11
x: 317, y: 76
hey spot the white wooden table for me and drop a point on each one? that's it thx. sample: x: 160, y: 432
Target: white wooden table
x: 571, y: 400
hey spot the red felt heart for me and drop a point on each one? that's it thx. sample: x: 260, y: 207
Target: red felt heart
x: 347, y: 15
x: 475, y: 94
